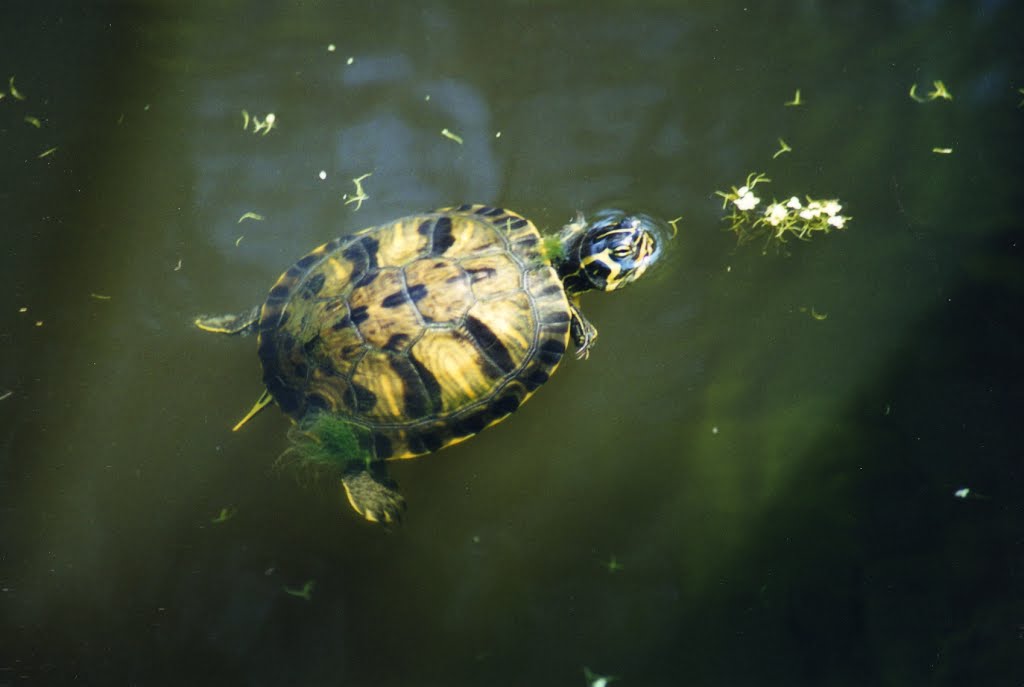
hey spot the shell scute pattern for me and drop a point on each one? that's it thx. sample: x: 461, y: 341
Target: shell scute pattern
x: 423, y: 331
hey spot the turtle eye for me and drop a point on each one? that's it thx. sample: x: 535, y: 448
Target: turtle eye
x: 621, y: 252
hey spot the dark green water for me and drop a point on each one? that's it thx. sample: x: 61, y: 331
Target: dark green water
x: 778, y: 490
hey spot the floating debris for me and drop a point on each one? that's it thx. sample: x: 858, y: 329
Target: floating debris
x: 350, y: 61
x: 497, y: 134
x: 99, y: 296
x: 938, y: 91
x: 322, y: 174
x: 612, y: 565
x: 22, y: 309
x: 239, y: 240
x: 224, y: 515
x: 672, y: 223
x: 15, y: 93
x: 780, y: 220
x: 250, y: 215
x: 942, y: 151
x: 6, y: 395
x: 306, y: 592
x: 968, y: 493
x: 177, y: 268
x: 266, y: 125
x: 820, y: 316
x: 454, y: 137
x: 39, y: 323
x: 795, y: 102
x: 257, y: 126
x: 743, y: 197
x: 595, y: 680
x: 331, y: 47
x: 47, y: 153
x: 360, y: 194
x: 34, y: 121
x: 1021, y: 103
x: 783, y: 148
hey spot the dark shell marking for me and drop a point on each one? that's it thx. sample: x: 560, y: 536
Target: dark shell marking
x: 424, y: 331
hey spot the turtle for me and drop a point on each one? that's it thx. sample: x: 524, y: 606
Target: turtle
x: 420, y: 333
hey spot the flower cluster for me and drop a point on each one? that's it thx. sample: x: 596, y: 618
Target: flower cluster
x: 779, y: 220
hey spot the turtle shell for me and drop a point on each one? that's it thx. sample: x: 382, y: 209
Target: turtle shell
x: 423, y: 331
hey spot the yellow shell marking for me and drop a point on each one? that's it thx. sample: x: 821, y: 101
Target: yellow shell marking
x: 423, y: 331
x: 456, y: 365
x: 402, y: 243
x: 492, y: 274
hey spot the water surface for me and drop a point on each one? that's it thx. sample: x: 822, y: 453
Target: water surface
x: 728, y: 492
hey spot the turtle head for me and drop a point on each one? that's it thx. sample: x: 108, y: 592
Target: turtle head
x: 609, y: 252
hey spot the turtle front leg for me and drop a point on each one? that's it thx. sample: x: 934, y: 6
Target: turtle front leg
x: 242, y: 324
x: 372, y: 493
x: 583, y: 333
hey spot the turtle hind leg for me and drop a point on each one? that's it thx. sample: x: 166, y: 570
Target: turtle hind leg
x: 243, y: 323
x: 373, y: 494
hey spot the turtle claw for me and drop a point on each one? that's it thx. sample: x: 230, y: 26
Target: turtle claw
x: 583, y: 333
x: 375, y: 497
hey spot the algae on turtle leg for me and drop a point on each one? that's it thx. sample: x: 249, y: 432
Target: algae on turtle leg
x: 327, y: 440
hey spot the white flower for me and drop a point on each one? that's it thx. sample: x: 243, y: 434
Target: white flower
x: 794, y: 203
x: 812, y: 211
x: 742, y: 191
x: 837, y: 221
x: 747, y: 201
x: 775, y: 213
x: 832, y: 207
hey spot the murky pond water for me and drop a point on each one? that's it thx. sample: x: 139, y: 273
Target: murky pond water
x: 752, y: 480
